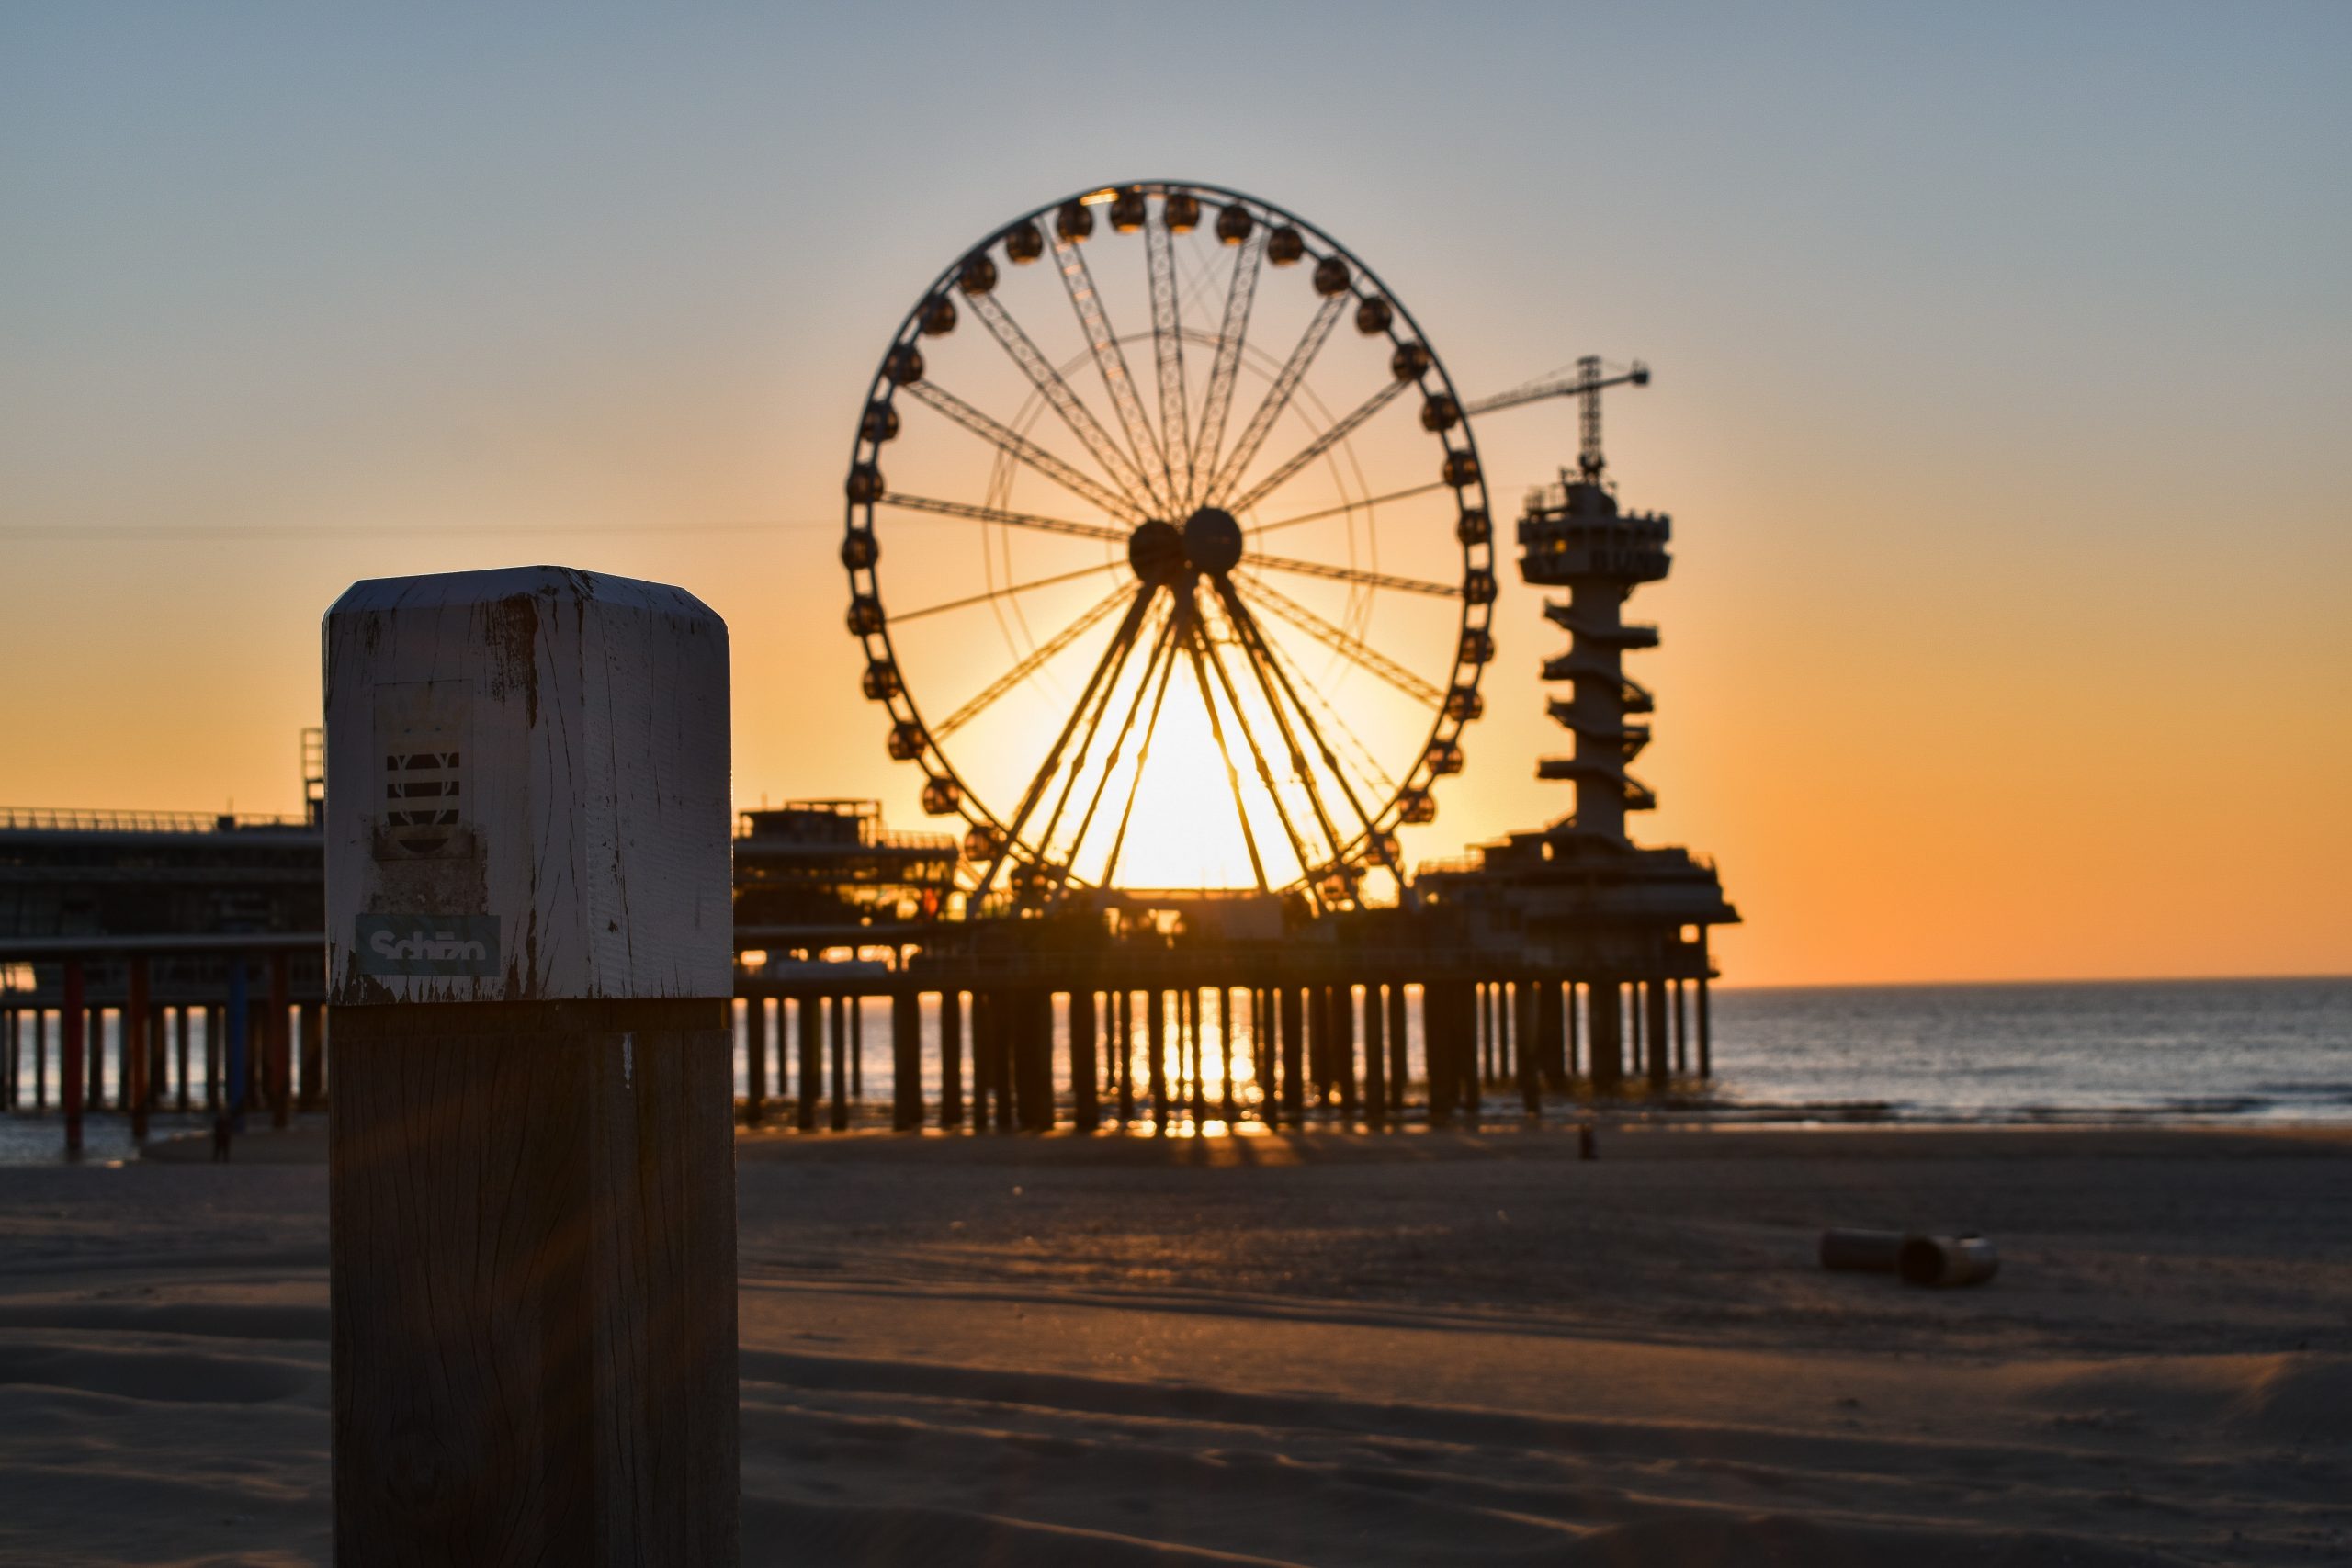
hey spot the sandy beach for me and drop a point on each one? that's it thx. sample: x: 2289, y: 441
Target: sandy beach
x: 1324, y: 1349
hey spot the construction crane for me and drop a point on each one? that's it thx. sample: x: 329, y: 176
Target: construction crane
x: 1588, y: 382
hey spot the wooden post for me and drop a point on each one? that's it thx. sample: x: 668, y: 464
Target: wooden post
x: 951, y: 1057
x: 40, y: 1059
x: 812, y: 1063
x: 1085, y: 1087
x: 1376, y: 1062
x: 137, y: 1046
x: 180, y: 1056
x: 531, y: 1157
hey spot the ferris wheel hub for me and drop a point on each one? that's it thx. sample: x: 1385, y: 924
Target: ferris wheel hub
x: 1156, y: 552
x: 1213, y: 541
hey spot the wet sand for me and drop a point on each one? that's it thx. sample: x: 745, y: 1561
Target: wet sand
x: 1327, y: 1349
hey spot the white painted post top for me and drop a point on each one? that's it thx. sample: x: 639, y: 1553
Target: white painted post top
x: 528, y: 790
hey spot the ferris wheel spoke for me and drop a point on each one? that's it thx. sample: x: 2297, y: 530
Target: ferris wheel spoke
x: 1193, y: 646
x: 1406, y: 495
x: 1226, y: 368
x: 1257, y: 637
x: 1136, y: 609
x: 1119, y: 745
x: 1253, y: 434
x: 1087, y: 730
x: 1009, y: 589
x: 1275, y: 686
x: 1355, y: 575
x: 1014, y: 445
x: 996, y: 515
x: 1066, y: 402
x: 1345, y: 642
x: 1317, y: 448
x: 1294, y: 680
x: 1258, y: 755
x: 1167, y: 349
x: 1143, y: 749
x: 1111, y: 364
x: 1038, y: 658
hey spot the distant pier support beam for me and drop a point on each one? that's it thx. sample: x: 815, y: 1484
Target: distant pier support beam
x: 1400, y: 1054
x: 314, y: 1057
x: 1606, y: 1038
x: 1706, y: 1036
x: 839, y: 1119
x: 1654, y: 1026
x: 137, y: 1046
x: 1293, y: 1005
x: 812, y: 1063
x: 281, y: 1048
x: 1085, y: 1079
x: 1155, y: 1023
x: 906, y: 1061
x: 73, y: 1018
x: 950, y: 1058
x: 755, y: 1060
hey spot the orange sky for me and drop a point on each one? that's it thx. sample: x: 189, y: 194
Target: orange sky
x: 2010, y: 627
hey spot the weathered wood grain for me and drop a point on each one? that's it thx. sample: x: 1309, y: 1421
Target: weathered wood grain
x: 533, y: 1207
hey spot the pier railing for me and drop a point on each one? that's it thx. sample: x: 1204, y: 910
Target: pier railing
x: 52, y: 819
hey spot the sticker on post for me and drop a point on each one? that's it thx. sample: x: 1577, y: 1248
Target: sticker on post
x: 426, y: 944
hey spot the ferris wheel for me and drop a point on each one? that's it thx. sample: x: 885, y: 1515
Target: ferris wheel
x: 1169, y: 553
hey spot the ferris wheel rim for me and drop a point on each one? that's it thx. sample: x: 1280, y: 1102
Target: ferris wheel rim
x: 1375, y: 844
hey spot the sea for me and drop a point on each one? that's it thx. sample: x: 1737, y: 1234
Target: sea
x: 2267, y: 1051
